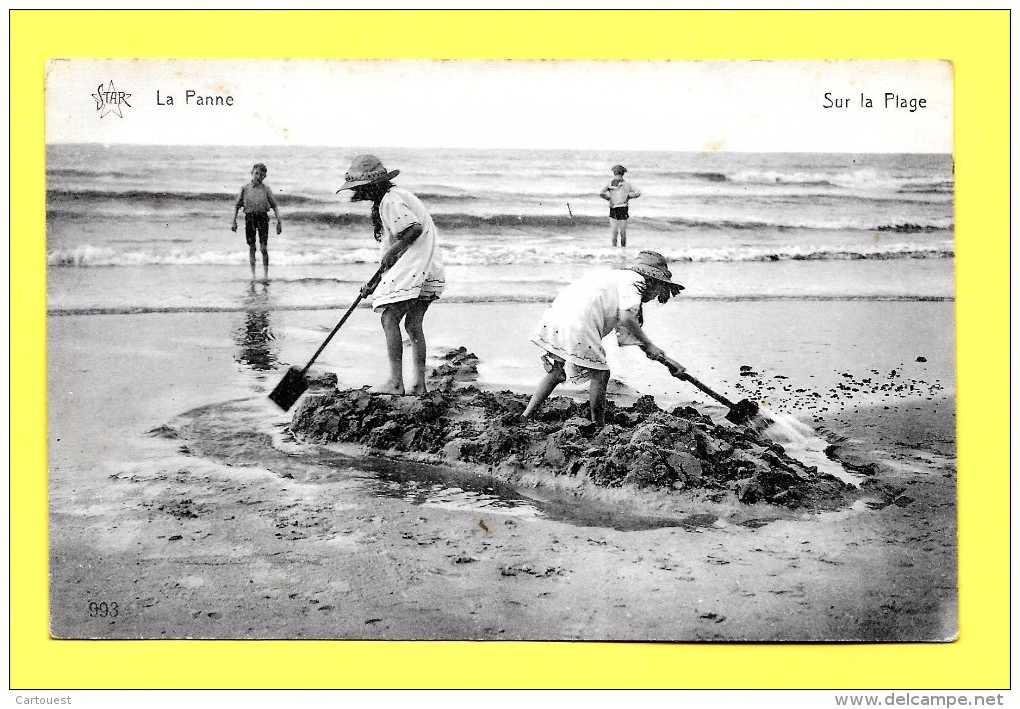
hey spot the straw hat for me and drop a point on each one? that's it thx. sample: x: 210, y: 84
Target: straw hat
x: 653, y: 265
x: 365, y: 170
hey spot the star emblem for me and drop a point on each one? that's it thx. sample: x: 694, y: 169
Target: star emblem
x: 109, y: 100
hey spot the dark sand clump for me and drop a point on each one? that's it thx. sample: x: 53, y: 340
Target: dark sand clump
x: 680, y: 451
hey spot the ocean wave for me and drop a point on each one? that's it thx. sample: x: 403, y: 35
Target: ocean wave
x: 85, y: 256
x: 692, y: 175
x: 445, y: 193
x: 163, y: 196
x: 473, y: 299
x: 439, y: 196
x: 461, y: 222
x: 867, y: 179
x: 938, y: 187
x: 564, y: 223
x: 90, y: 174
x: 861, y: 223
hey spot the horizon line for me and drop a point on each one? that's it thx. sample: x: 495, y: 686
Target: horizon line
x: 461, y: 147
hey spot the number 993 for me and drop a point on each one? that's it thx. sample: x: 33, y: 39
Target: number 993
x: 102, y: 609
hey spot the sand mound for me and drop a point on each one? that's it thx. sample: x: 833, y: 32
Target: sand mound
x: 641, y: 445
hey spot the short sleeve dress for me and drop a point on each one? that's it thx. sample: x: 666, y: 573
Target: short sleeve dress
x: 584, y: 312
x: 419, y: 272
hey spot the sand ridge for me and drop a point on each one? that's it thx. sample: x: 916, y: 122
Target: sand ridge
x: 642, y: 446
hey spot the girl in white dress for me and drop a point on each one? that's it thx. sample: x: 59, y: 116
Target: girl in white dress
x: 584, y: 312
x: 413, y: 273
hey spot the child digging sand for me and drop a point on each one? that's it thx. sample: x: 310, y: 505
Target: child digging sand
x: 412, y: 266
x: 584, y: 312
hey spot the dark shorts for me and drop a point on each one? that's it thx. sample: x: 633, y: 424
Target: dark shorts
x: 617, y: 212
x: 259, y: 223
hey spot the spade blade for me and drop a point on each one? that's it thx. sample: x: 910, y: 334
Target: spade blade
x: 743, y: 411
x: 290, y: 389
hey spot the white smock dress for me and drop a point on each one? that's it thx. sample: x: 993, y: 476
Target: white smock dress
x: 418, y: 273
x: 584, y: 312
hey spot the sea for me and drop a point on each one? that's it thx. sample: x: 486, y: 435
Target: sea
x: 146, y: 228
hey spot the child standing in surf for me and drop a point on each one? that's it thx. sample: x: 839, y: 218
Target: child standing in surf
x: 572, y: 329
x: 618, y: 193
x: 257, y: 199
x: 413, y: 274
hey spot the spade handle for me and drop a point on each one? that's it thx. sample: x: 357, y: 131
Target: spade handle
x: 373, y: 279
x: 718, y: 397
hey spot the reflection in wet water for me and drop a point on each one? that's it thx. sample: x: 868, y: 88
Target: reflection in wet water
x: 254, y: 337
x: 421, y: 485
x: 468, y: 492
x: 426, y: 484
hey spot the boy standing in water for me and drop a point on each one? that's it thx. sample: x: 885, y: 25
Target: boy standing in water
x: 618, y: 193
x: 572, y: 329
x: 256, y: 198
x: 413, y: 274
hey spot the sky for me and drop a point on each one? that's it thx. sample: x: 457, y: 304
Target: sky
x: 759, y: 106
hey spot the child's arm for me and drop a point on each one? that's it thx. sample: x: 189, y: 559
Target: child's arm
x: 604, y: 194
x: 404, y: 240
x: 276, y: 212
x: 629, y: 323
x: 237, y: 208
x: 634, y: 192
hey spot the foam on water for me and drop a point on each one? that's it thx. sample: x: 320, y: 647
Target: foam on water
x: 803, y: 443
x: 520, y: 253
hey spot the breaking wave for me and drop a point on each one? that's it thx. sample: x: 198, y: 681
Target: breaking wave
x: 149, y: 196
x: 85, y: 256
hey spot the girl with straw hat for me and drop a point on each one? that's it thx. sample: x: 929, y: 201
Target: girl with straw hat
x: 413, y: 273
x: 572, y: 329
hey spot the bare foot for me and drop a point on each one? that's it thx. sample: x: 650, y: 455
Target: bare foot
x: 391, y: 388
x: 418, y: 390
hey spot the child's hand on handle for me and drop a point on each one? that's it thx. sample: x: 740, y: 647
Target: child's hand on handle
x: 233, y: 227
x: 654, y: 353
x: 279, y: 227
x: 657, y: 355
x: 674, y: 367
x: 369, y: 288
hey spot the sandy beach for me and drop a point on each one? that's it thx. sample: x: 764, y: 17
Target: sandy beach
x: 177, y: 493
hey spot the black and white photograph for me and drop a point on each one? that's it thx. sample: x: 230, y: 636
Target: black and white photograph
x: 501, y: 350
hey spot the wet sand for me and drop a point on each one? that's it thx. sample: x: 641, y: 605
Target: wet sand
x: 263, y: 540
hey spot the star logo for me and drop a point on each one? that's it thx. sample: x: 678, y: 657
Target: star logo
x: 110, y: 100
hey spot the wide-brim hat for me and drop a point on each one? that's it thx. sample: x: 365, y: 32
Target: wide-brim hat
x: 654, y: 265
x: 365, y: 170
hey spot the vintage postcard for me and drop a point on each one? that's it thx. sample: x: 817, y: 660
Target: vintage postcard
x: 501, y: 350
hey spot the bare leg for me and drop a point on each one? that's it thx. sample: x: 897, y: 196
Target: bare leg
x: 623, y: 232
x: 615, y: 228
x: 265, y: 263
x: 597, y: 395
x: 251, y: 259
x: 391, y: 317
x: 545, y: 387
x: 415, y: 332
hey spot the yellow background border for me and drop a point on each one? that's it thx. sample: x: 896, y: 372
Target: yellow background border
x: 978, y: 44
